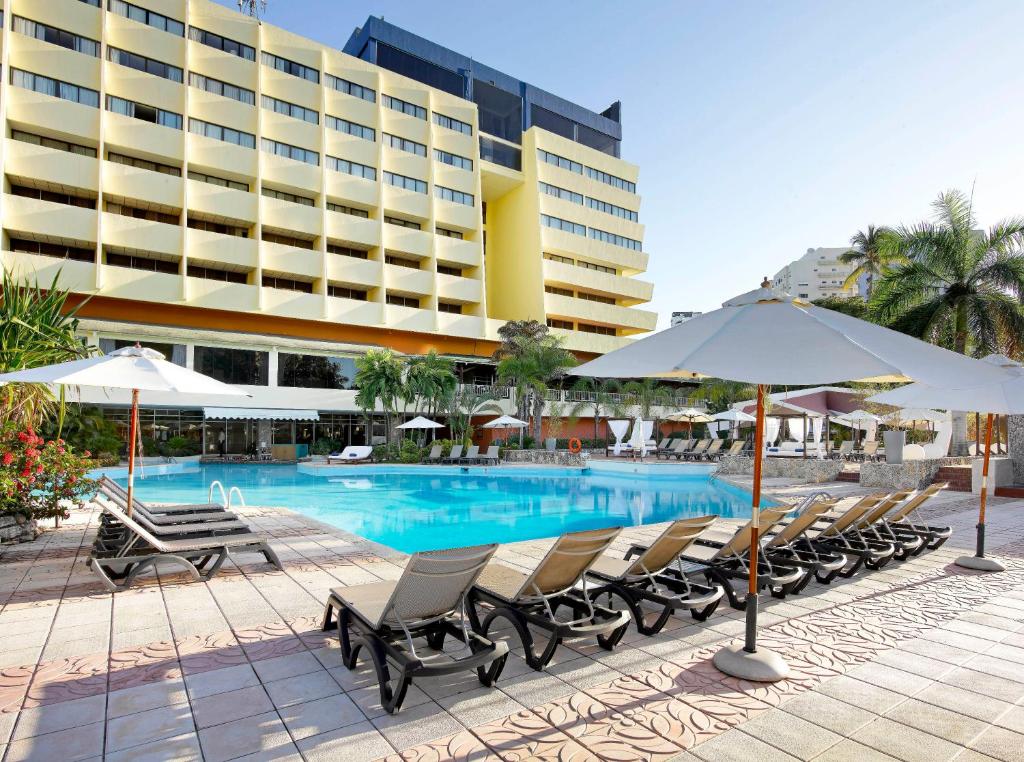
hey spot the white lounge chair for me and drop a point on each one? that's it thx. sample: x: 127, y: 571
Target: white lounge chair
x: 351, y: 454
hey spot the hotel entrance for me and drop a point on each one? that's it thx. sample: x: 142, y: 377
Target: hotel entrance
x: 258, y: 433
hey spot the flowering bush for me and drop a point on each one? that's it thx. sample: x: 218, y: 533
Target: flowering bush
x: 38, y: 478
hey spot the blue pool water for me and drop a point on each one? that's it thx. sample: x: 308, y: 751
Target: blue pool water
x: 422, y: 508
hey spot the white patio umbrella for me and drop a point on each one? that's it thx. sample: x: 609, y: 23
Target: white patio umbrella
x: 911, y: 416
x: 861, y: 420
x: 734, y: 416
x: 507, y: 422
x: 136, y: 368
x: 419, y: 422
x: 691, y: 415
x: 764, y: 337
x: 1003, y: 398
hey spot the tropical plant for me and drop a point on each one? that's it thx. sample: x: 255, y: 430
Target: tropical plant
x: 37, y: 327
x: 603, y: 399
x: 514, y: 332
x: 646, y: 397
x: 460, y: 407
x: 958, y: 287
x: 84, y: 428
x: 722, y: 393
x: 379, y: 379
x: 531, y: 368
x: 854, y: 306
x: 872, y: 252
x: 429, y: 380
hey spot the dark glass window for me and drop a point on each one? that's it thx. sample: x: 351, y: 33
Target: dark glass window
x: 57, y: 198
x: 233, y: 366
x: 552, y: 122
x: 499, y: 153
x: 420, y: 70
x: 215, y: 273
x: 501, y: 112
x: 315, y: 371
x: 598, y: 140
x: 57, y: 250
x: 403, y: 301
x: 287, y: 284
x: 139, y: 262
x: 347, y: 251
x: 450, y: 307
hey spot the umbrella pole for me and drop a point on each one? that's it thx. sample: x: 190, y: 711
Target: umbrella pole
x: 978, y: 560
x: 746, y: 661
x: 133, y: 427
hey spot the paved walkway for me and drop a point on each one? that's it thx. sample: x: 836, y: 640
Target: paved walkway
x: 918, y: 661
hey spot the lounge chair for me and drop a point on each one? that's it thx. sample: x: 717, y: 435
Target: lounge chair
x: 835, y: 532
x: 428, y: 601
x: 844, y: 451
x: 872, y: 527
x: 434, y: 456
x: 902, y: 518
x: 534, y: 599
x: 712, y: 452
x: 491, y: 456
x: 352, y: 454
x: 472, y: 455
x: 697, y: 451
x: 638, y: 578
x: 736, y: 448
x: 664, y: 443
x: 868, y: 452
x: 119, y: 494
x: 783, y: 546
x: 675, y: 449
x: 454, y: 455
x: 142, y: 546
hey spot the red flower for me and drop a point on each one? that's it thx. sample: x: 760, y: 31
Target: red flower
x: 26, y: 472
x: 72, y: 479
x: 39, y: 468
x: 86, y: 454
x: 22, y: 436
x: 8, y: 458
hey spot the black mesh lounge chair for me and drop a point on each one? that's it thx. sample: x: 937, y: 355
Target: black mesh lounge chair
x: 675, y: 448
x: 697, y: 452
x: 427, y: 602
x: 782, y: 547
x: 835, y: 532
x: 535, y: 598
x: 871, y: 527
x: 119, y: 494
x: 902, y: 519
x: 454, y: 456
x: 201, y: 513
x: 639, y: 578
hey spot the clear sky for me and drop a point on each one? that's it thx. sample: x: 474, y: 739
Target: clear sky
x: 761, y: 128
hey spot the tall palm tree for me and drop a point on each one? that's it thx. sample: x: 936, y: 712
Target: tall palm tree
x: 461, y: 404
x: 647, y: 395
x: 379, y: 378
x: 428, y: 381
x: 958, y: 287
x: 531, y: 369
x: 873, y: 252
x: 605, y: 400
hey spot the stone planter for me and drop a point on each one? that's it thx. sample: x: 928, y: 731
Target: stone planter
x: 910, y: 474
x: 18, y: 529
x: 543, y: 457
x: 809, y: 470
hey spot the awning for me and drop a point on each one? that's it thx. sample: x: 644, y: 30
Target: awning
x: 259, y: 414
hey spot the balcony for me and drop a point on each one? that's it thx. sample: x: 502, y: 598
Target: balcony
x: 398, y: 278
x: 351, y: 148
x: 70, y: 274
x: 406, y: 202
x: 457, y: 289
x: 221, y: 202
x: 145, y: 137
x: 296, y: 175
x: 220, y: 157
x: 291, y: 260
x: 358, y: 272
x: 142, y: 184
x: 74, y: 120
x: 595, y: 280
x: 217, y: 109
x: 46, y: 218
x: 407, y: 240
x: 409, y: 318
x: 459, y: 216
x: 347, y: 228
x: 468, y: 326
x: 627, y: 260
x: 126, y: 283
x: 226, y: 249
x: 138, y: 86
x: 220, y: 65
x: 51, y: 165
x: 458, y: 251
x: 353, y: 311
x: 595, y: 312
x: 354, y: 109
x: 293, y: 304
x: 287, y: 215
x: 134, y: 234
x: 343, y: 187
x: 286, y: 87
x: 215, y: 294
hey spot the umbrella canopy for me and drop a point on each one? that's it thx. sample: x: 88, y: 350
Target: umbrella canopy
x: 419, y: 422
x: 505, y: 422
x: 913, y: 415
x: 859, y: 416
x: 692, y: 415
x: 733, y: 415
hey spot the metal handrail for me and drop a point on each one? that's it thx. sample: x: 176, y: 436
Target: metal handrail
x: 223, y: 495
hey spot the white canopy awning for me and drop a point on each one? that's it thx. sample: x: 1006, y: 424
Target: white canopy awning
x: 259, y: 414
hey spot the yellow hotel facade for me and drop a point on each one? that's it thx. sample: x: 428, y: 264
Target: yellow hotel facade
x: 211, y: 183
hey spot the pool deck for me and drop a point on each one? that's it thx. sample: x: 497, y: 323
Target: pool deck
x: 918, y: 661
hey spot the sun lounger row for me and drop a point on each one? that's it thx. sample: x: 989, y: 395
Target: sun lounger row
x: 704, y: 450
x: 869, y: 452
x: 473, y: 456
x: 580, y: 590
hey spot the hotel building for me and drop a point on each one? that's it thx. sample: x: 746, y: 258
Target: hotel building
x: 819, y: 274
x: 264, y: 208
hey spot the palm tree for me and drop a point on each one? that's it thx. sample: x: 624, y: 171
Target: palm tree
x: 646, y: 395
x: 872, y: 252
x: 379, y: 378
x: 958, y: 287
x: 531, y: 367
x: 461, y: 404
x: 37, y: 327
x: 428, y: 380
x: 604, y: 398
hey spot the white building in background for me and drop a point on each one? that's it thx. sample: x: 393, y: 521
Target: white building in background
x: 682, y: 317
x: 818, y: 274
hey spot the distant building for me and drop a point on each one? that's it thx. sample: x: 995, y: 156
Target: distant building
x: 818, y: 274
x: 682, y: 317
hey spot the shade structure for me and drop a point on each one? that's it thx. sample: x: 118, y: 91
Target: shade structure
x: 764, y: 337
x: 734, y: 416
x: 505, y: 422
x: 419, y: 422
x: 912, y: 416
x: 259, y: 414
x: 136, y: 368
x: 691, y: 414
x: 1003, y: 398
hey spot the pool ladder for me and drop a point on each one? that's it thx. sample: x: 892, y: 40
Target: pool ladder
x: 225, y: 497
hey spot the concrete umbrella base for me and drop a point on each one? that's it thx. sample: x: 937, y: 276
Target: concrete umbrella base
x: 763, y: 666
x: 981, y: 563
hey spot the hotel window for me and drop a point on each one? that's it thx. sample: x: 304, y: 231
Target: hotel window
x: 351, y: 128
x: 285, y: 196
x: 402, y: 144
x: 287, y: 284
x: 222, y: 43
x: 316, y: 371
x: 344, y: 292
x: 599, y: 268
x: 559, y: 224
x: 453, y: 159
x: 597, y: 140
x: 612, y: 209
x: 152, y: 166
x: 405, y: 107
x: 416, y: 68
x: 351, y: 168
x: 290, y: 67
x: 286, y: 240
x: 552, y: 122
x: 93, y: 3
x: 604, y: 330
x: 215, y: 86
x: 56, y: 250
x: 141, y: 262
x: 392, y: 259
x: 293, y: 110
x: 58, y: 145
x: 614, y: 239
x: 54, y: 87
x: 499, y: 112
x: 558, y: 291
x: 500, y: 153
x: 449, y: 270
x: 217, y: 227
x: 350, y: 88
x: 214, y: 180
x: 233, y: 366
x: 453, y: 124
x: 403, y: 301
x: 409, y: 183
x: 332, y: 207
x: 559, y: 161
x: 295, y: 153
x: 143, y: 112
x: 56, y: 36
x: 214, y: 273
x: 449, y: 233
x: 565, y: 325
x: 141, y: 63
x: 449, y: 307
x: 125, y: 210
x: 559, y: 258
x: 458, y: 197
x: 57, y: 198
x: 594, y: 297
x: 562, y: 193
x: 612, y: 180
x: 222, y: 133
x: 150, y: 18
x: 403, y: 223
x: 347, y: 251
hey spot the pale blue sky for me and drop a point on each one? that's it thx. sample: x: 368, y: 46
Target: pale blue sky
x: 761, y: 129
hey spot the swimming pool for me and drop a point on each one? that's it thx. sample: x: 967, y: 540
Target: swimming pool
x: 424, y: 508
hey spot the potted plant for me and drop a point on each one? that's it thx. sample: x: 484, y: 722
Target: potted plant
x: 556, y: 425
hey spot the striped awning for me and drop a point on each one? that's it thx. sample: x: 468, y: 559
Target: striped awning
x: 259, y: 414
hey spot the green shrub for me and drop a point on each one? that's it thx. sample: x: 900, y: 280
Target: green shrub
x: 409, y: 452
x: 180, y: 447
x: 322, y: 446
